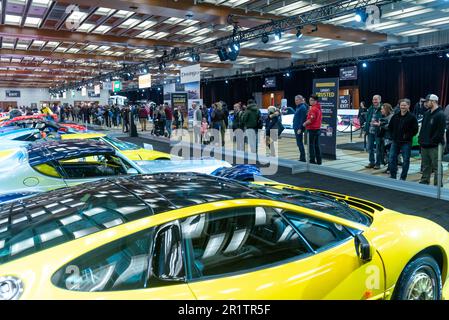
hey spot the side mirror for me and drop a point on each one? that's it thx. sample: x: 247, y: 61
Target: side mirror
x: 167, y: 262
x: 363, y: 248
x: 132, y: 171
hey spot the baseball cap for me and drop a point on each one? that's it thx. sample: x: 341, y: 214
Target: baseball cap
x: 432, y: 97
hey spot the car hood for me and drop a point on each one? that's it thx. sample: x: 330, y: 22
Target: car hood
x: 199, y: 166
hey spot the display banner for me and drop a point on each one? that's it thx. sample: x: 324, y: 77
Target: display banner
x: 348, y: 73
x: 84, y: 91
x: 13, y: 93
x: 193, y: 90
x: 116, y: 86
x: 191, y: 74
x: 97, y: 89
x: 327, y: 92
x: 145, y: 81
x: 179, y: 100
x: 345, y: 102
x: 93, y: 94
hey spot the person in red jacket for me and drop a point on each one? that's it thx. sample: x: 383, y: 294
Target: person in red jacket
x: 313, y: 126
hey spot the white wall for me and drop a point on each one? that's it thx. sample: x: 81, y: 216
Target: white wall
x: 27, y: 96
x: 103, y: 99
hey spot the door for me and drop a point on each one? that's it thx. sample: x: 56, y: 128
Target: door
x: 90, y: 168
x: 266, y: 253
x: 144, y: 265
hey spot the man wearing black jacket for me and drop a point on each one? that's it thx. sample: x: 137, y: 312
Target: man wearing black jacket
x: 430, y: 136
x: 403, y: 126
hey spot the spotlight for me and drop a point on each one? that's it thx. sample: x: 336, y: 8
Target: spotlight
x: 360, y: 15
x: 447, y: 55
x: 222, y: 54
x: 287, y: 74
x: 364, y: 65
x: 278, y: 35
x: 226, y: 81
x: 324, y: 69
x: 195, y: 57
x: 234, y: 50
x: 299, y: 32
x: 265, y: 38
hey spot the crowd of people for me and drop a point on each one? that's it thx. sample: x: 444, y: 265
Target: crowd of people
x: 390, y: 132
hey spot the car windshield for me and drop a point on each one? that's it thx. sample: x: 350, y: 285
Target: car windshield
x: 121, y: 145
x: 316, y: 201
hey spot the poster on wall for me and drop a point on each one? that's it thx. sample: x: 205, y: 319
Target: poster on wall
x: 327, y: 92
x: 180, y: 101
x: 13, y: 93
x: 191, y: 74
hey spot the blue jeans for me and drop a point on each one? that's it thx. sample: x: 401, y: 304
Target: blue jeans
x: 300, y: 144
x: 168, y: 125
x: 314, y: 146
x: 374, y: 147
x: 405, y: 149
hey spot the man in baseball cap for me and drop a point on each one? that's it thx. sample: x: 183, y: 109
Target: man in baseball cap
x: 432, y: 97
x: 430, y: 136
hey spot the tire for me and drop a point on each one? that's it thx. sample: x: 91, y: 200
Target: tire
x: 420, y: 270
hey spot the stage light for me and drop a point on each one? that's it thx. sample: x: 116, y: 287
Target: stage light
x: 360, y: 15
x: 234, y: 50
x: 364, y: 65
x: 195, y: 57
x: 287, y: 74
x: 447, y: 55
x: 265, y: 38
x: 299, y: 33
x: 226, y: 81
x: 222, y: 54
x: 278, y: 35
x: 324, y: 69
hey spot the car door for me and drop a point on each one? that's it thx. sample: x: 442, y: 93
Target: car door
x: 144, y: 265
x: 90, y: 168
x: 45, y: 176
x: 262, y: 253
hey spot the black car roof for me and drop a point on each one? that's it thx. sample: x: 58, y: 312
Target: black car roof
x: 77, y: 211
x: 44, y: 151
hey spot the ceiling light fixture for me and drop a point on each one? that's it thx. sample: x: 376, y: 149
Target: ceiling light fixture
x: 265, y: 38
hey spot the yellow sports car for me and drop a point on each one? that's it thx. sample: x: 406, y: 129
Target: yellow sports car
x: 130, y: 150
x: 192, y: 236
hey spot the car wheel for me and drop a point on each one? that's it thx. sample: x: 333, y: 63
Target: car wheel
x: 420, y: 280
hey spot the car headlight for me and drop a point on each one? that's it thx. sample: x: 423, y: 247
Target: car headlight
x: 11, y: 288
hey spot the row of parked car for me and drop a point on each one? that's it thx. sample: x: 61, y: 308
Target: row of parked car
x: 88, y: 216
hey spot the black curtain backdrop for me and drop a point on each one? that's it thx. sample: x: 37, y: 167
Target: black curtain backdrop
x: 393, y: 79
